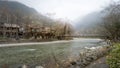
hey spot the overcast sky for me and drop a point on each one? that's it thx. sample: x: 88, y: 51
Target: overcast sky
x: 70, y: 9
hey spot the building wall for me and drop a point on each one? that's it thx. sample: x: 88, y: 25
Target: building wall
x: 9, y: 31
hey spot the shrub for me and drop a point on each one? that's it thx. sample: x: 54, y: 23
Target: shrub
x: 113, y: 58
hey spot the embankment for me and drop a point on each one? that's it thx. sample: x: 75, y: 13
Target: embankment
x: 88, y: 56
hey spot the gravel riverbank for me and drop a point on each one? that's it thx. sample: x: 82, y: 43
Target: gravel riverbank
x: 88, y: 56
x: 100, y: 63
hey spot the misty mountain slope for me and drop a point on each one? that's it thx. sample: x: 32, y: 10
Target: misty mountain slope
x: 14, y: 7
x: 90, y: 23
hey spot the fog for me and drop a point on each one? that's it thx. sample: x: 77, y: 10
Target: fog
x: 67, y: 9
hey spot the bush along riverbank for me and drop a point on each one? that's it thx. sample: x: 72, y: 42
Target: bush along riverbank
x: 113, y: 59
x: 88, y: 56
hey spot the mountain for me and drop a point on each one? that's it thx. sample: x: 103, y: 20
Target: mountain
x: 23, y: 11
x: 16, y: 6
x: 90, y: 23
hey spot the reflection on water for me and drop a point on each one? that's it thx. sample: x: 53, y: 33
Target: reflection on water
x: 42, y: 53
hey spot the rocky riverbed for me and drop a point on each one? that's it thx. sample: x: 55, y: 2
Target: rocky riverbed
x: 88, y: 56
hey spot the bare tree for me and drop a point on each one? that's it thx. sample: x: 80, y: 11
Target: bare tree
x: 111, y: 22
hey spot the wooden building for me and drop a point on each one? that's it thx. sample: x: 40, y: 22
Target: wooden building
x: 9, y: 30
x: 30, y: 31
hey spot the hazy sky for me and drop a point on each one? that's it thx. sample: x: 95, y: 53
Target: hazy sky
x: 70, y: 9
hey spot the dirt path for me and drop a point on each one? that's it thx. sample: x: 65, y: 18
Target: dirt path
x: 100, y: 63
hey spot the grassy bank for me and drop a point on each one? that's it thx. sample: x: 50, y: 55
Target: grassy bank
x: 113, y: 58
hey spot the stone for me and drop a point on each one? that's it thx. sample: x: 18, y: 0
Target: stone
x: 73, y: 63
x: 88, y: 59
x: 24, y: 66
x: 39, y: 67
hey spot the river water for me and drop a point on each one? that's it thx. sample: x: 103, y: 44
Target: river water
x: 40, y: 54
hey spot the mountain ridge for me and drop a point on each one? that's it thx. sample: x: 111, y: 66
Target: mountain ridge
x: 17, y: 8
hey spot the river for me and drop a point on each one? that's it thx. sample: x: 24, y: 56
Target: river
x: 42, y: 53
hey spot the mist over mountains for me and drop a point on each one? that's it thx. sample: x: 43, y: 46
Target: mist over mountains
x: 90, y: 23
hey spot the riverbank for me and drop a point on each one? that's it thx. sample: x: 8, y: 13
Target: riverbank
x: 100, y: 63
x: 9, y: 40
x: 39, y: 42
x: 33, y: 43
x: 14, y: 41
x: 88, y: 57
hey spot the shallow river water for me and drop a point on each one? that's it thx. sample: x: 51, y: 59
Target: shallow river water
x: 39, y: 54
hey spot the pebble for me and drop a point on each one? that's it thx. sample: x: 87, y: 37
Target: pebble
x: 24, y: 66
x: 39, y: 67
